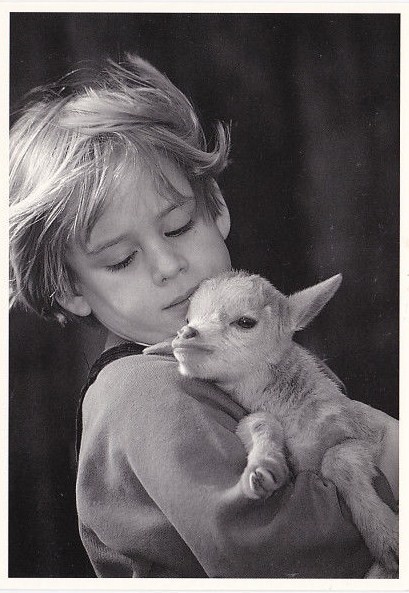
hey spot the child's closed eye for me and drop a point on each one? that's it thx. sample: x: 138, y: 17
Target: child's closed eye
x: 181, y: 230
x: 122, y: 264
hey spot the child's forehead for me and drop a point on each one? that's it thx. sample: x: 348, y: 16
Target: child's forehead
x: 161, y: 179
x: 157, y: 180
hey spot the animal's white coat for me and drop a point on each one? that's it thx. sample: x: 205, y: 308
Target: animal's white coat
x: 239, y: 335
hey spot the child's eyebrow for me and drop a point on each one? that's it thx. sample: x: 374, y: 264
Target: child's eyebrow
x: 123, y: 237
x: 98, y: 248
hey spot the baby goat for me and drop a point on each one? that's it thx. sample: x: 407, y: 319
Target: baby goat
x: 239, y: 335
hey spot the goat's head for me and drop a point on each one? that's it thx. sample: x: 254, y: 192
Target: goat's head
x: 237, y: 320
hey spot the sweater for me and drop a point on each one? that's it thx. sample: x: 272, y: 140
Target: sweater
x: 158, y: 488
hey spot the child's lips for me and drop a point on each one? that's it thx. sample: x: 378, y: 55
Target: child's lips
x: 181, y: 300
x: 179, y: 305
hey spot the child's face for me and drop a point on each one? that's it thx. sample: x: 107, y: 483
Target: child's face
x: 144, y: 257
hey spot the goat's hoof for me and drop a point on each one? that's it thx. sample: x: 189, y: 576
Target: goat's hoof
x: 390, y: 560
x: 260, y: 482
x: 383, y: 539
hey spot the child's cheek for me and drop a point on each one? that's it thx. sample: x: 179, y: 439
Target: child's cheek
x: 219, y: 257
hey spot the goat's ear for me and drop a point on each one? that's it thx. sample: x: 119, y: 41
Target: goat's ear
x: 306, y: 304
x: 160, y: 348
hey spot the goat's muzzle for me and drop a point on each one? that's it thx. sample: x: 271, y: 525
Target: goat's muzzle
x: 187, y: 332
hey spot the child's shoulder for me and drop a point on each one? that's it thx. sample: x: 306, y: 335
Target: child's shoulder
x: 137, y: 371
x: 129, y: 386
x: 152, y: 382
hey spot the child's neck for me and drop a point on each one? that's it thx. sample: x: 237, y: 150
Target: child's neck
x: 115, y: 340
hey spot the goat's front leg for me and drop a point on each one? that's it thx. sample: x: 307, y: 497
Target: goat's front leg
x: 267, y: 469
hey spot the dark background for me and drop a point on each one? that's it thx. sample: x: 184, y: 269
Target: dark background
x: 313, y: 190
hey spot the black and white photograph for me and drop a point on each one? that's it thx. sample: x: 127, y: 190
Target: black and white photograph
x: 204, y: 256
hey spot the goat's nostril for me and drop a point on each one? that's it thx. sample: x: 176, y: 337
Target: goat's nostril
x: 188, y: 332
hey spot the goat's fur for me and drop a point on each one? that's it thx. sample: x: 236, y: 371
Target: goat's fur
x: 239, y: 335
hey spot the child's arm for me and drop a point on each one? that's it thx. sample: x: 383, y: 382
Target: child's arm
x: 166, y: 464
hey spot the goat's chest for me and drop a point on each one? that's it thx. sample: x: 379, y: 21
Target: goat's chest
x: 311, y: 428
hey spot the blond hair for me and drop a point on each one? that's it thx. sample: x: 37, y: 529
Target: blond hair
x: 68, y: 151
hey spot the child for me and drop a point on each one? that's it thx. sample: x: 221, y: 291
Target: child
x: 116, y: 216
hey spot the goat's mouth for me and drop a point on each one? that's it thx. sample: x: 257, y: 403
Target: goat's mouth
x: 188, y: 351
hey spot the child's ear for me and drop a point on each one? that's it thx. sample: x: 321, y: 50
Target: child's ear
x: 223, y: 219
x: 306, y: 304
x: 76, y: 304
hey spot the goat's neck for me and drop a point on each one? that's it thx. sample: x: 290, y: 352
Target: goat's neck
x: 247, y: 383
x: 283, y: 383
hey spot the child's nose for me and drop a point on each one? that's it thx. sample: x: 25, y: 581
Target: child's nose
x: 167, y: 264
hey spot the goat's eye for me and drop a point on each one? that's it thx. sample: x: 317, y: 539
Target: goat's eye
x: 245, y: 322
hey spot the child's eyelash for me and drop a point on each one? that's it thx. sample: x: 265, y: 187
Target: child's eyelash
x: 122, y: 264
x: 181, y: 230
